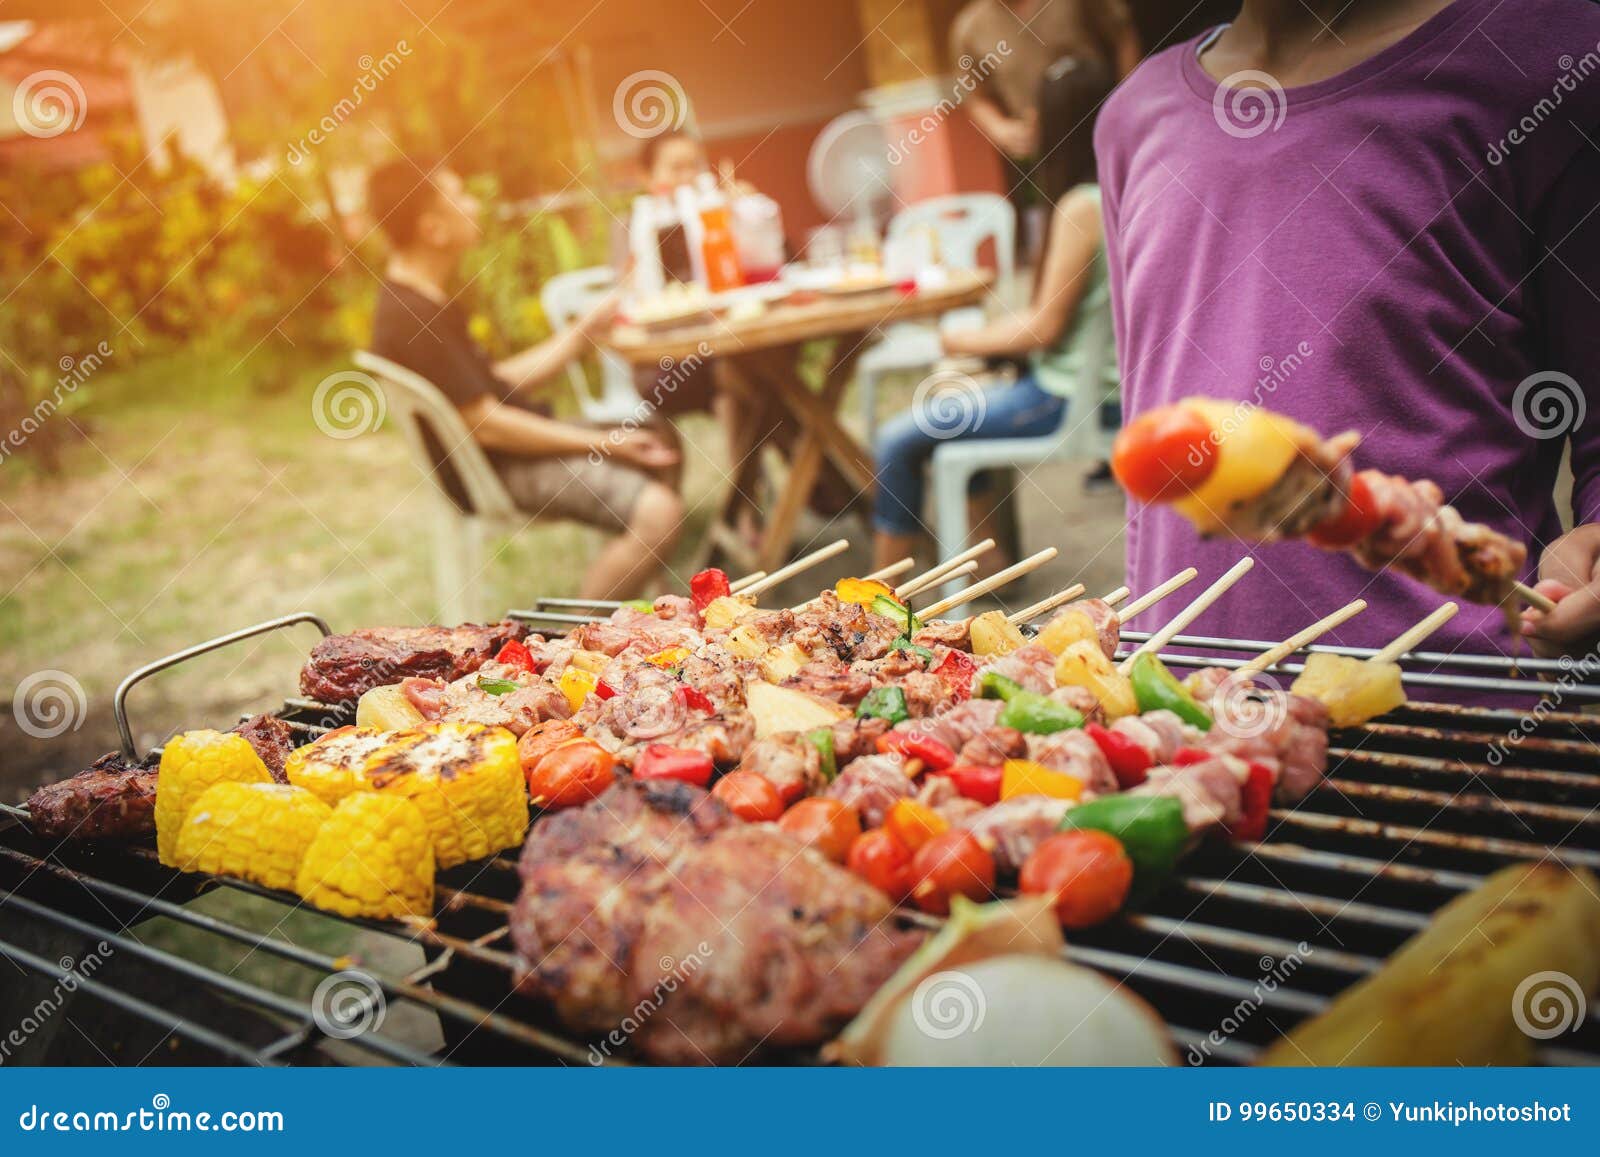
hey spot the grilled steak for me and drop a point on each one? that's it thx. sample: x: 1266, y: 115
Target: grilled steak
x: 343, y: 667
x: 711, y: 938
x: 272, y: 739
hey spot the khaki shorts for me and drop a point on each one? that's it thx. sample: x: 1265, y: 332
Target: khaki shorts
x: 599, y: 493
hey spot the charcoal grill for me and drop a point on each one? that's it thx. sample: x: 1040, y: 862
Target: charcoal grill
x: 1248, y: 939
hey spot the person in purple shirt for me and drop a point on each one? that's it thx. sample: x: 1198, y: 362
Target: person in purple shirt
x: 1374, y: 215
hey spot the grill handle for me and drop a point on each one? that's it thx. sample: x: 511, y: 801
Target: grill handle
x: 119, y: 703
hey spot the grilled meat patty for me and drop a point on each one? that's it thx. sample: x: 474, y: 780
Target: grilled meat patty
x: 712, y: 938
x: 344, y: 667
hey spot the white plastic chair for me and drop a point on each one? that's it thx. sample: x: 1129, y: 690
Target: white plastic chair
x: 962, y: 222
x: 1079, y: 436
x: 457, y: 536
x: 565, y: 298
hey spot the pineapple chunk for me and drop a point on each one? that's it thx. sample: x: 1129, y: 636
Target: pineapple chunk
x: 781, y: 662
x: 747, y: 643
x: 777, y: 710
x: 1084, y: 664
x: 722, y: 613
x: 592, y: 661
x: 1067, y: 628
x: 1352, y: 690
x: 993, y: 635
x: 387, y: 709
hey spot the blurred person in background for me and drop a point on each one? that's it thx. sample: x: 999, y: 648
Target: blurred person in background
x: 1054, y: 333
x: 609, y: 479
x: 1354, y: 183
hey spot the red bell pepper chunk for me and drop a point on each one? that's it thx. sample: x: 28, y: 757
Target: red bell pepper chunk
x: 1185, y: 756
x: 978, y: 782
x: 708, y: 586
x: 515, y: 654
x: 659, y: 761
x: 603, y: 689
x: 935, y: 756
x: 696, y: 700
x: 957, y: 669
x: 1257, y: 798
x: 1129, y: 761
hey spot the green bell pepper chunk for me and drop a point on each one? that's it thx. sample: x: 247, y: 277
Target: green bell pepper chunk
x: 993, y: 685
x: 822, y: 739
x: 899, y: 612
x: 1150, y: 829
x: 495, y: 686
x: 1038, y: 714
x: 921, y: 652
x: 1157, y: 689
x: 643, y: 606
x: 884, y: 703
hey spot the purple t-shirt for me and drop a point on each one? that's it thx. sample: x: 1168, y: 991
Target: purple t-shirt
x: 1393, y: 250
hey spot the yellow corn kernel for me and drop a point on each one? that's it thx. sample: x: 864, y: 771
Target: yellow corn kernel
x: 255, y: 831
x: 466, y: 779
x: 577, y: 684
x: 372, y: 857
x: 190, y: 763
x: 1025, y: 777
x: 335, y: 765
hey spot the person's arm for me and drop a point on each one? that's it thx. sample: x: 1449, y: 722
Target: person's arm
x: 513, y: 430
x: 537, y: 364
x: 1013, y: 136
x: 1569, y: 248
x: 1075, y: 237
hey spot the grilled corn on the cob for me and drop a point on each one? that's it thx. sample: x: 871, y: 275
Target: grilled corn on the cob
x: 255, y: 831
x: 191, y: 763
x: 372, y: 857
x: 466, y: 779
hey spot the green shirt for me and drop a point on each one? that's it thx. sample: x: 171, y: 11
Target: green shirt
x: 1086, y: 347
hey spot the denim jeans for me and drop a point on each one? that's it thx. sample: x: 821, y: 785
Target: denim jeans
x: 908, y: 440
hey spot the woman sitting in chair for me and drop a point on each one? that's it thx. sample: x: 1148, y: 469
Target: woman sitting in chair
x: 1051, y: 333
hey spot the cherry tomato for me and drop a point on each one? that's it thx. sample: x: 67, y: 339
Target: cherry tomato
x: 751, y: 797
x: 882, y: 861
x: 542, y: 738
x: 1088, y: 872
x: 1163, y: 453
x: 826, y: 824
x: 953, y: 863
x: 659, y: 761
x: 515, y: 654
x: 1359, y: 518
x: 571, y: 774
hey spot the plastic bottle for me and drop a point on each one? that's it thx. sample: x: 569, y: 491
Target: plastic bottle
x: 758, y: 234
x: 719, y: 253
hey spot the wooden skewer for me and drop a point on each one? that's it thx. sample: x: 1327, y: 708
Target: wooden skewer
x: 992, y: 583
x: 805, y: 562
x: 1533, y: 598
x: 1416, y: 634
x: 1150, y: 598
x: 928, y: 581
x: 887, y: 572
x: 1116, y: 596
x: 1027, y: 614
x: 1303, y: 638
x: 739, y: 584
x: 1191, y: 612
x: 943, y: 570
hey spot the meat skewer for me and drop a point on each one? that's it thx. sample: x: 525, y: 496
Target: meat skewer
x: 1151, y: 597
x: 803, y: 563
x: 944, y: 569
x: 992, y: 583
x: 1260, y: 476
x: 1183, y: 618
x: 1060, y: 598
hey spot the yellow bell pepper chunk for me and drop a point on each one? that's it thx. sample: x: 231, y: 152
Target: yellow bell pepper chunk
x: 671, y: 657
x: 1025, y: 777
x: 1254, y: 448
x: 861, y: 591
x: 577, y: 685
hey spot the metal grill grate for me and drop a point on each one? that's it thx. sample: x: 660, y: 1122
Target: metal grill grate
x: 1247, y: 941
